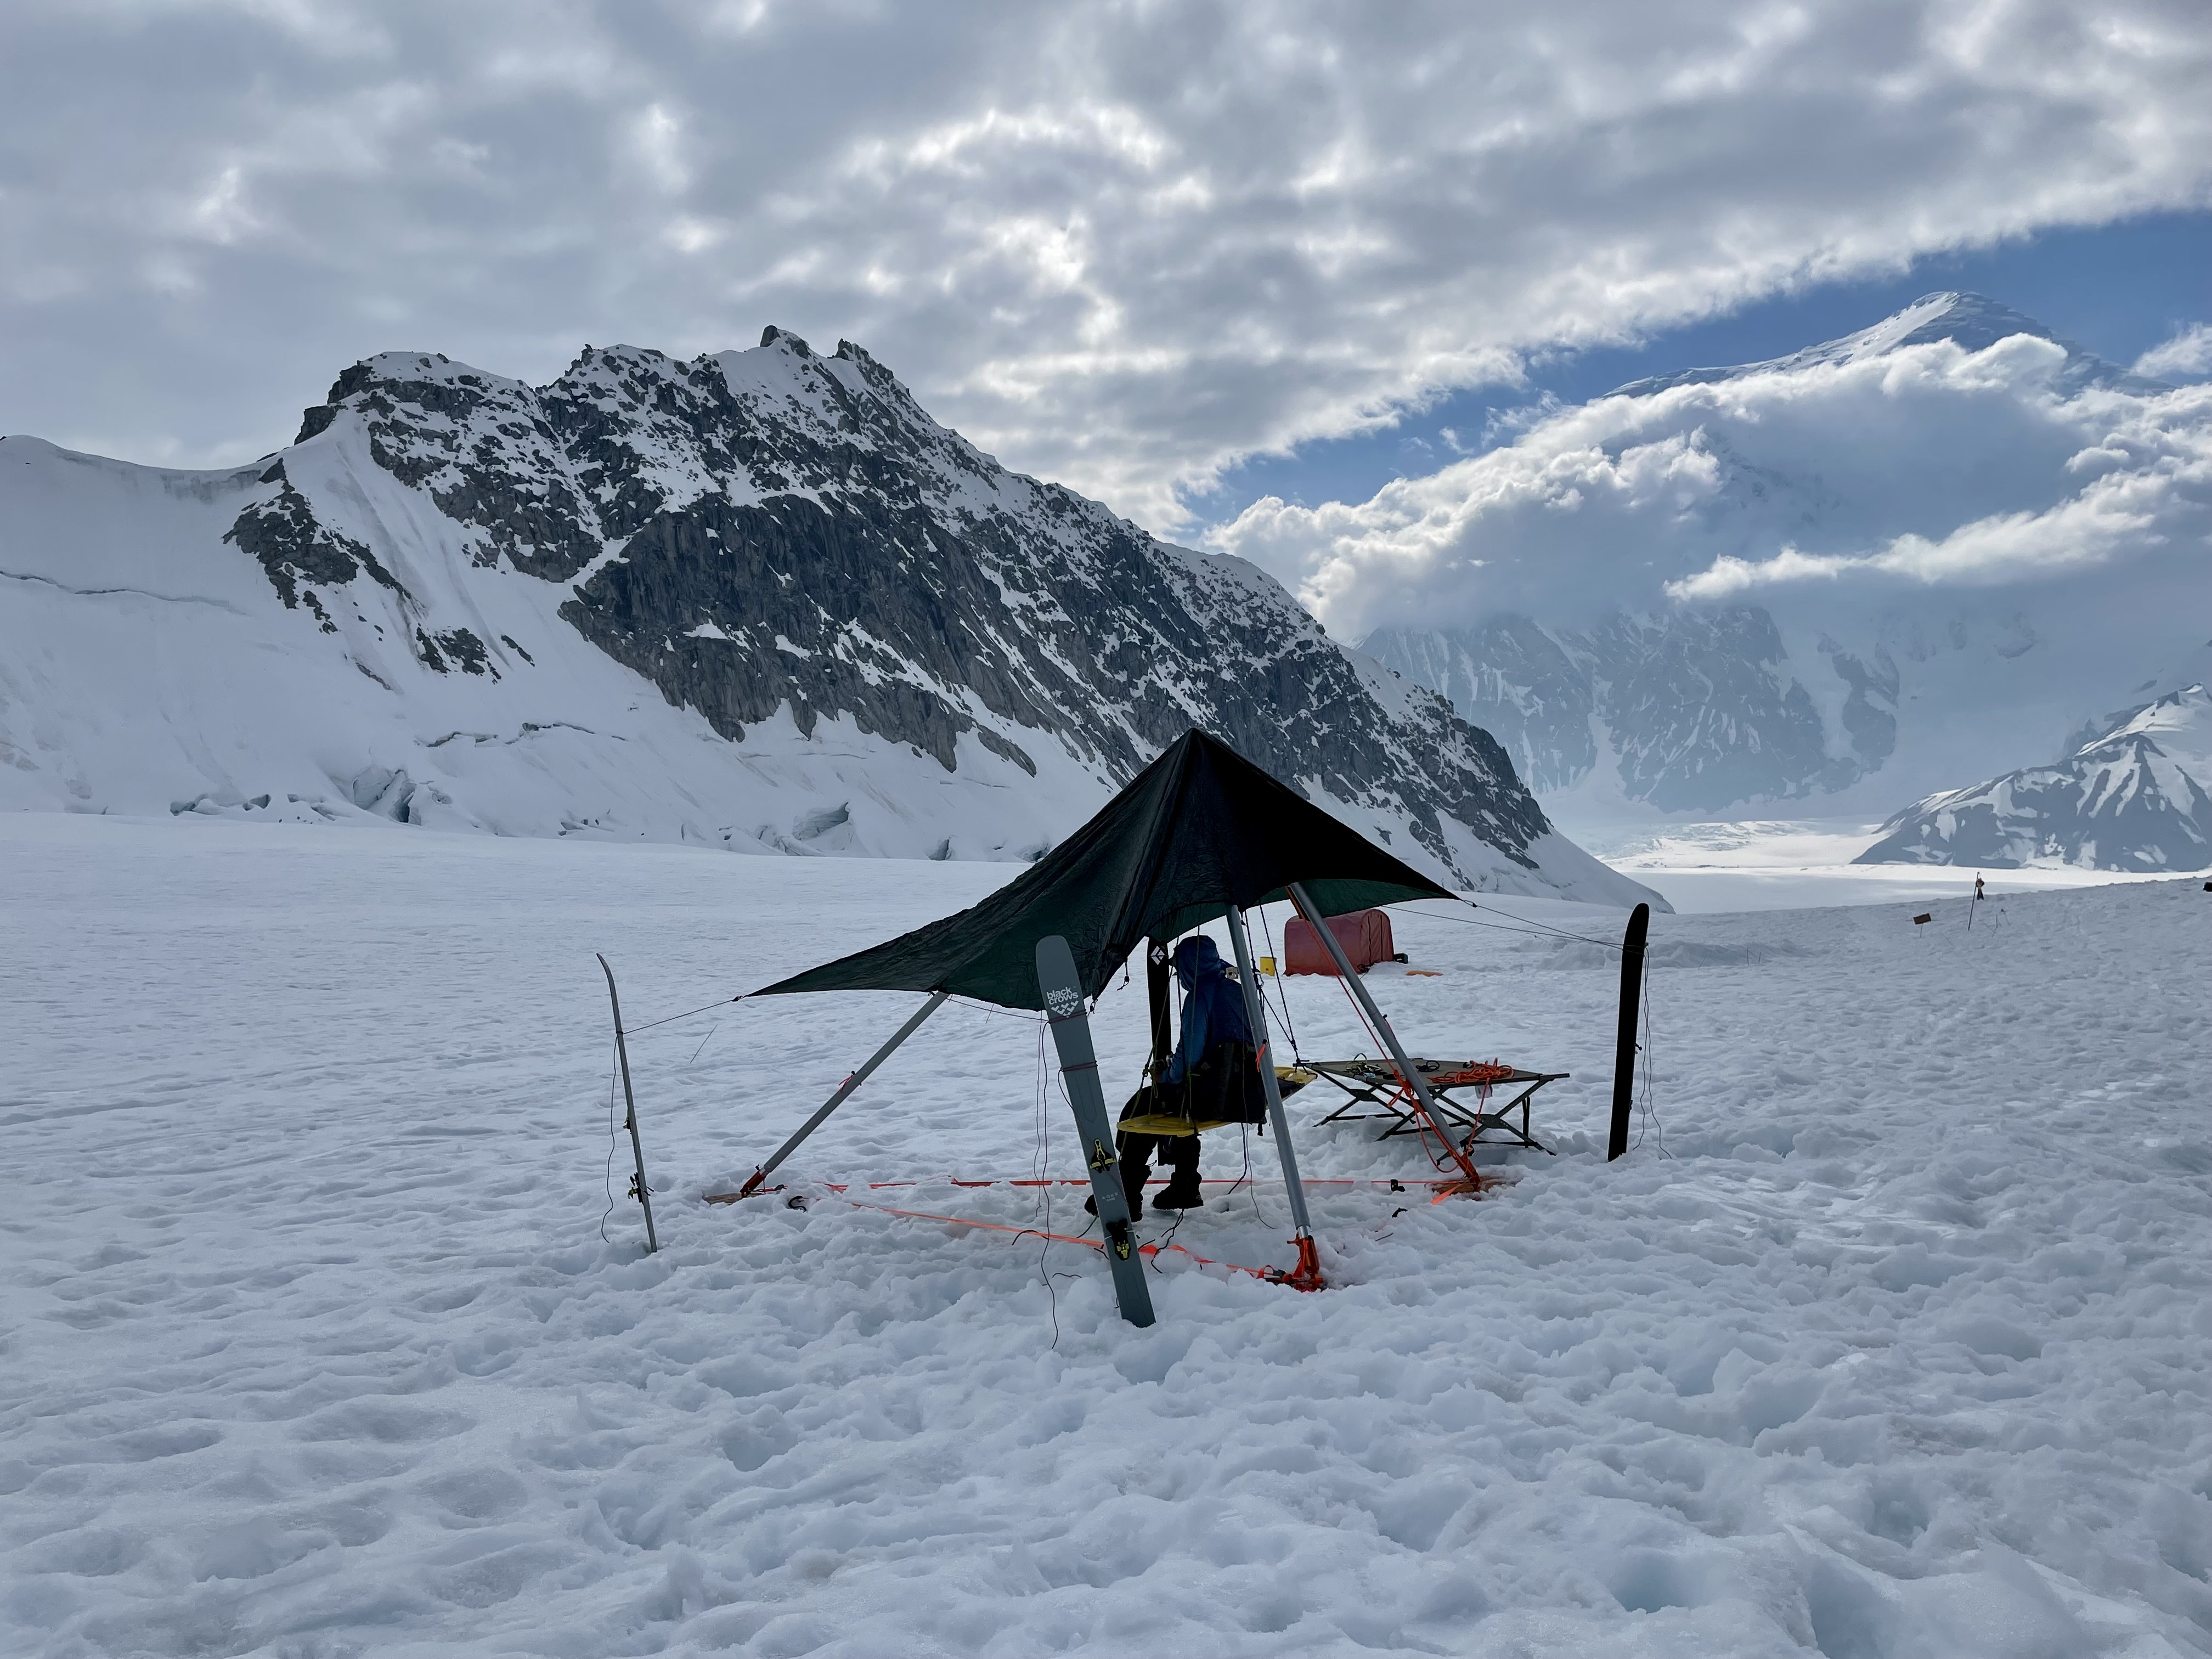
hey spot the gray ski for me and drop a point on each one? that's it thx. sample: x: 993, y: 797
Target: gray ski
x: 1079, y: 1068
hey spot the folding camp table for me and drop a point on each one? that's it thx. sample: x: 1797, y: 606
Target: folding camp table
x: 1460, y: 1089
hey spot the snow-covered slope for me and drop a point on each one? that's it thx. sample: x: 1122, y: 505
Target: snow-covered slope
x: 2137, y: 798
x: 759, y: 601
x: 1889, y: 1338
x: 1920, y: 553
x: 1688, y: 711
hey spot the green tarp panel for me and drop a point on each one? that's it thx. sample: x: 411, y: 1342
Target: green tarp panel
x: 1198, y: 830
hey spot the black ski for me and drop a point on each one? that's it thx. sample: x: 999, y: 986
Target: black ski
x: 1078, y: 1067
x: 1625, y: 1047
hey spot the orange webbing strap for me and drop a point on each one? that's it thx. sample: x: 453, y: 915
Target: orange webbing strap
x: 1385, y: 1183
x: 1093, y: 1244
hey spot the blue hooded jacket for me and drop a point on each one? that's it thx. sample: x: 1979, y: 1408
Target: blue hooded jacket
x: 1212, y: 1007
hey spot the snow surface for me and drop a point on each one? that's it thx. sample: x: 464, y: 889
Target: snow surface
x: 1785, y: 864
x: 312, y: 1347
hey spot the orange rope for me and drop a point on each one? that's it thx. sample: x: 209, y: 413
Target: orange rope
x: 1486, y: 1071
x: 1381, y: 1182
x: 1470, y: 1182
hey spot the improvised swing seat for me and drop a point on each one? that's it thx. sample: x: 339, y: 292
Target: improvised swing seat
x: 1224, y: 1089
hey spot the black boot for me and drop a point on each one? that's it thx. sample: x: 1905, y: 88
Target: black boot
x: 1181, y: 1191
x: 1134, y: 1177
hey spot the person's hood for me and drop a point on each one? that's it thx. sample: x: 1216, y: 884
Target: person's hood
x: 1195, y: 959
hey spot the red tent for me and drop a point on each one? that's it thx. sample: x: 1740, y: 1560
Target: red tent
x: 1365, y: 936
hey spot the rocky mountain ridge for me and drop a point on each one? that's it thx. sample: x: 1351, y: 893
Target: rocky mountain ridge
x: 852, y: 630
x: 2137, y: 797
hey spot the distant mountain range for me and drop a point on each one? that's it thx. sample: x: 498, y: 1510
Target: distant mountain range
x: 1832, y: 695
x: 2138, y: 797
x: 758, y: 600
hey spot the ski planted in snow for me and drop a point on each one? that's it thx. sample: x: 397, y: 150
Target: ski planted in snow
x: 1078, y: 1069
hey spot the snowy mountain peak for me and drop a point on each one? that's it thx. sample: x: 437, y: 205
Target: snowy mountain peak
x: 2139, y: 796
x: 1972, y: 321
x: 759, y: 600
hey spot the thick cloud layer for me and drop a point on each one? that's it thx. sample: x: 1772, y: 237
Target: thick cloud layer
x: 1859, y: 483
x: 1120, y: 244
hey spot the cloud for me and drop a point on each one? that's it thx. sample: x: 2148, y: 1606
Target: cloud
x: 1118, y: 245
x: 1927, y: 466
x: 2186, y: 356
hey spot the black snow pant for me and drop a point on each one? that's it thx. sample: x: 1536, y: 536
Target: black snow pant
x: 1139, y: 1152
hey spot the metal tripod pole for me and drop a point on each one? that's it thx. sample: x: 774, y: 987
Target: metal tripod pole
x: 1315, y: 919
x: 1307, y: 1275
x: 644, y: 1194
x: 844, y: 1091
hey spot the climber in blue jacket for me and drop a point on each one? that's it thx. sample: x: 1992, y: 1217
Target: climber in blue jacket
x: 1211, y: 1078
x: 1212, y: 1007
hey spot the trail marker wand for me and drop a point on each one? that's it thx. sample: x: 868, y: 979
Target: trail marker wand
x: 639, y: 1190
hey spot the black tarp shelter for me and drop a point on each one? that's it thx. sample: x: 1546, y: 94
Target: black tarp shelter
x: 1201, y: 834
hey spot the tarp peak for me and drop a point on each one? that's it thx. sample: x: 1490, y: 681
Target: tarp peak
x: 1199, y: 830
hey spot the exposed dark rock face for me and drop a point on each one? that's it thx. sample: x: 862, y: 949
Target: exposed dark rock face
x: 1700, y: 711
x: 484, y: 449
x: 282, y: 536
x: 1517, y: 682
x: 456, y: 648
x: 1869, y: 714
x: 776, y: 531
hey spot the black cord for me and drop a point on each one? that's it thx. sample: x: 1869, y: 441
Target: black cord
x: 1282, y: 990
x: 1252, y: 1190
x: 608, y: 1183
x: 1161, y: 1245
x: 1650, y: 1113
x: 994, y: 1010
x: 1555, y: 933
x: 720, y: 1002
x: 1531, y: 921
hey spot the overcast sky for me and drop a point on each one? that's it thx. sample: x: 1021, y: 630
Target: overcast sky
x: 1120, y: 244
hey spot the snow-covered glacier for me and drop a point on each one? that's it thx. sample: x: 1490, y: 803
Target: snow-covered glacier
x: 759, y: 601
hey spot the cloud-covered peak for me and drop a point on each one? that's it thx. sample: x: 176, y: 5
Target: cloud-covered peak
x: 1972, y: 321
x: 1945, y: 445
x: 2187, y: 355
x: 1942, y: 476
